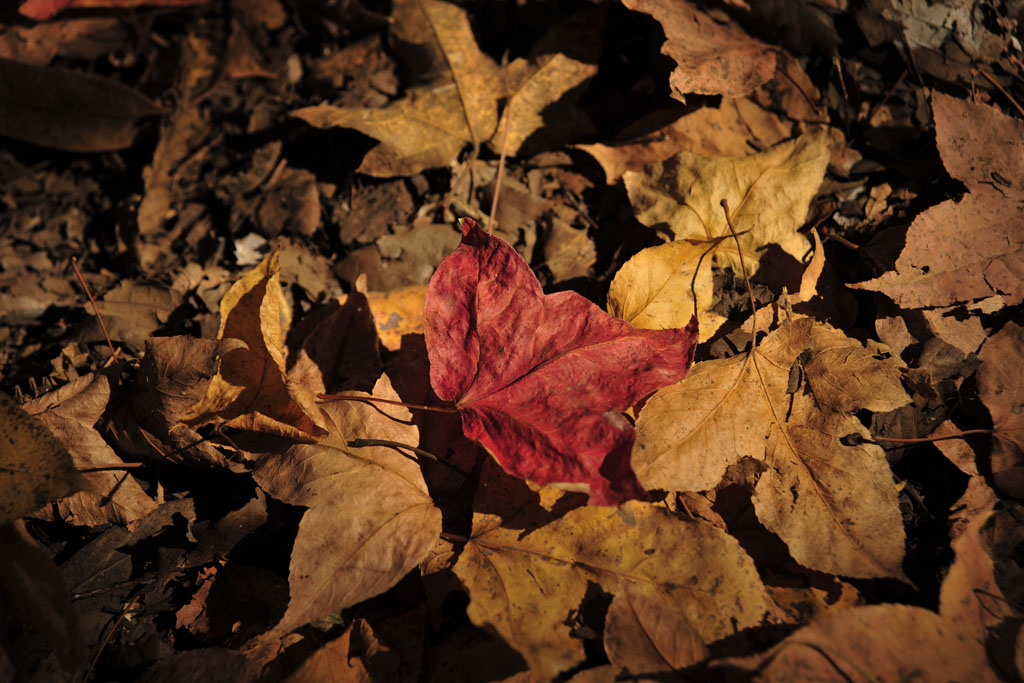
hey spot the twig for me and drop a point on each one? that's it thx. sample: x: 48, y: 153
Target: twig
x: 501, y: 166
x: 746, y: 278
x: 106, y: 468
x: 364, y: 443
x: 1002, y: 90
x: 373, y: 399
x: 103, y: 326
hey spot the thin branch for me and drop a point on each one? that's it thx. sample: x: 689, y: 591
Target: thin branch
x: 103, y: 326
x: 501, y: 167
x: 373, y: 399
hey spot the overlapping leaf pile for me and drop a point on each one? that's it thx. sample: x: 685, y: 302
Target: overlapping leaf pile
x: 477, y: 479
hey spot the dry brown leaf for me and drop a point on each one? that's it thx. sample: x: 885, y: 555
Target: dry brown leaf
x: 33, y: 591
x: 715, y: 56
x: 875, y: 643
x: 974, y: 248
x: 69, y: 110
x: 641, y: 637
x: 180, y: 133
x: 768, y: 195
x: 657, y: 288
x: 787, y: 404
x: 35, y: 467
x: 70, y: 413
x: 999, y: 388
x: 173, y: 376
x: 370, y: 518
x: 250, y: 390
x: 456, y: 102
x: 526, y: 584
x: 78, y: 38
x: 133, y: 311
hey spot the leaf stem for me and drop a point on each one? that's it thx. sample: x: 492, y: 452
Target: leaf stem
x: 374, y: 399
x: 103, y: 326
x: 501, y: 167
x: 746, y: 278
x: 929, y: 439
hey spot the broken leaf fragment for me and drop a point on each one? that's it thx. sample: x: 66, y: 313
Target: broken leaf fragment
x: 768, y: 196
x: 539, y: 380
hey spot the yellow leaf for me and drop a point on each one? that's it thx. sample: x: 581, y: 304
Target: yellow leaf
x: 655, y: 290
x: 768, y: 196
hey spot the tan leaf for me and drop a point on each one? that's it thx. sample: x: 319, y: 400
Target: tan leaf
x: 768, y: 195
x: 714, y: 57
x: 974, y: 248
x: 833, y: 505
x: 655, y: 290
x: 35, y: 467
x: 642, y: 637
x: 1001, y: 392
x: 333, y: 662
x: 535, y: 89
x: 250, y: 390
x: 133, y: 311
x: 455, y: 103
x: 370, y: 518
x: 70, y: 413
x: 526, y: 586
x: 875, y: 643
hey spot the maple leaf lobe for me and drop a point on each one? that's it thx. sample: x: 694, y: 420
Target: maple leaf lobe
x: 539, y: 379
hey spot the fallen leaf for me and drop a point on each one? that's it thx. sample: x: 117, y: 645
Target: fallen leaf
x: 398, y: 313
x: 527, y: 586
x: 834, y: 506
x: 70, y: 413
x: 133, y: 311
x: 641, y: 637
x: 210, y: 664
x: 174, y: 375
x: 250, y: 390
x: 715, y: 57
x: 874, y: 643
x: 335, y: 662
x: 181, y: 132
x: 35, y: 467
x: 69, y: 110
x: 768, y: 196
x: 82, y: 38
x: 538, y: 379
x: 370, y: 518
x: 41, y: 10
x: 959, y: 251
x: 32, y: 591
x: 664, y: 286
x: 455, y: 101
x: 1001, y: 392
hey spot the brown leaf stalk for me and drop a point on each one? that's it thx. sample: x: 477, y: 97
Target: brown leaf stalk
x: 103, y: 326
x: 746, y: 278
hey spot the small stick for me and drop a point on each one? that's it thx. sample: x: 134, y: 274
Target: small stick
x: 929, y: 439
x: 501, y: 167
x: 746, y: 278
x: 1003, y: 90
x: 363, y: 443
x: 107, y: 468
x: 103, y: 326
x: 372, y: 399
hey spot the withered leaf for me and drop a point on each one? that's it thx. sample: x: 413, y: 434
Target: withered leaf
x: 35, y: 467
x: 1001, y: 392
x: 370, y: 518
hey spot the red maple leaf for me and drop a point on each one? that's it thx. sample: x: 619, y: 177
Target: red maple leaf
x: 540, y: 380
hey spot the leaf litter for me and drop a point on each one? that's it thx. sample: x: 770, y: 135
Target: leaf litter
x: 334, y: 438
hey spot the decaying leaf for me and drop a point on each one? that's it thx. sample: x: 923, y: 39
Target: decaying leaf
x: 527, y: 585
x: 538, y: 379
x: 250, y: 390
x: 879, y: 642
x: 70, y: 413
x: 715, y: 57
x: 35, y: 467
x: 370, y: 518
x: 69, y: 110
x: 1003, y: 395
x: 768, y: 196
x: 970, y: 249
x: 833, y: 505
